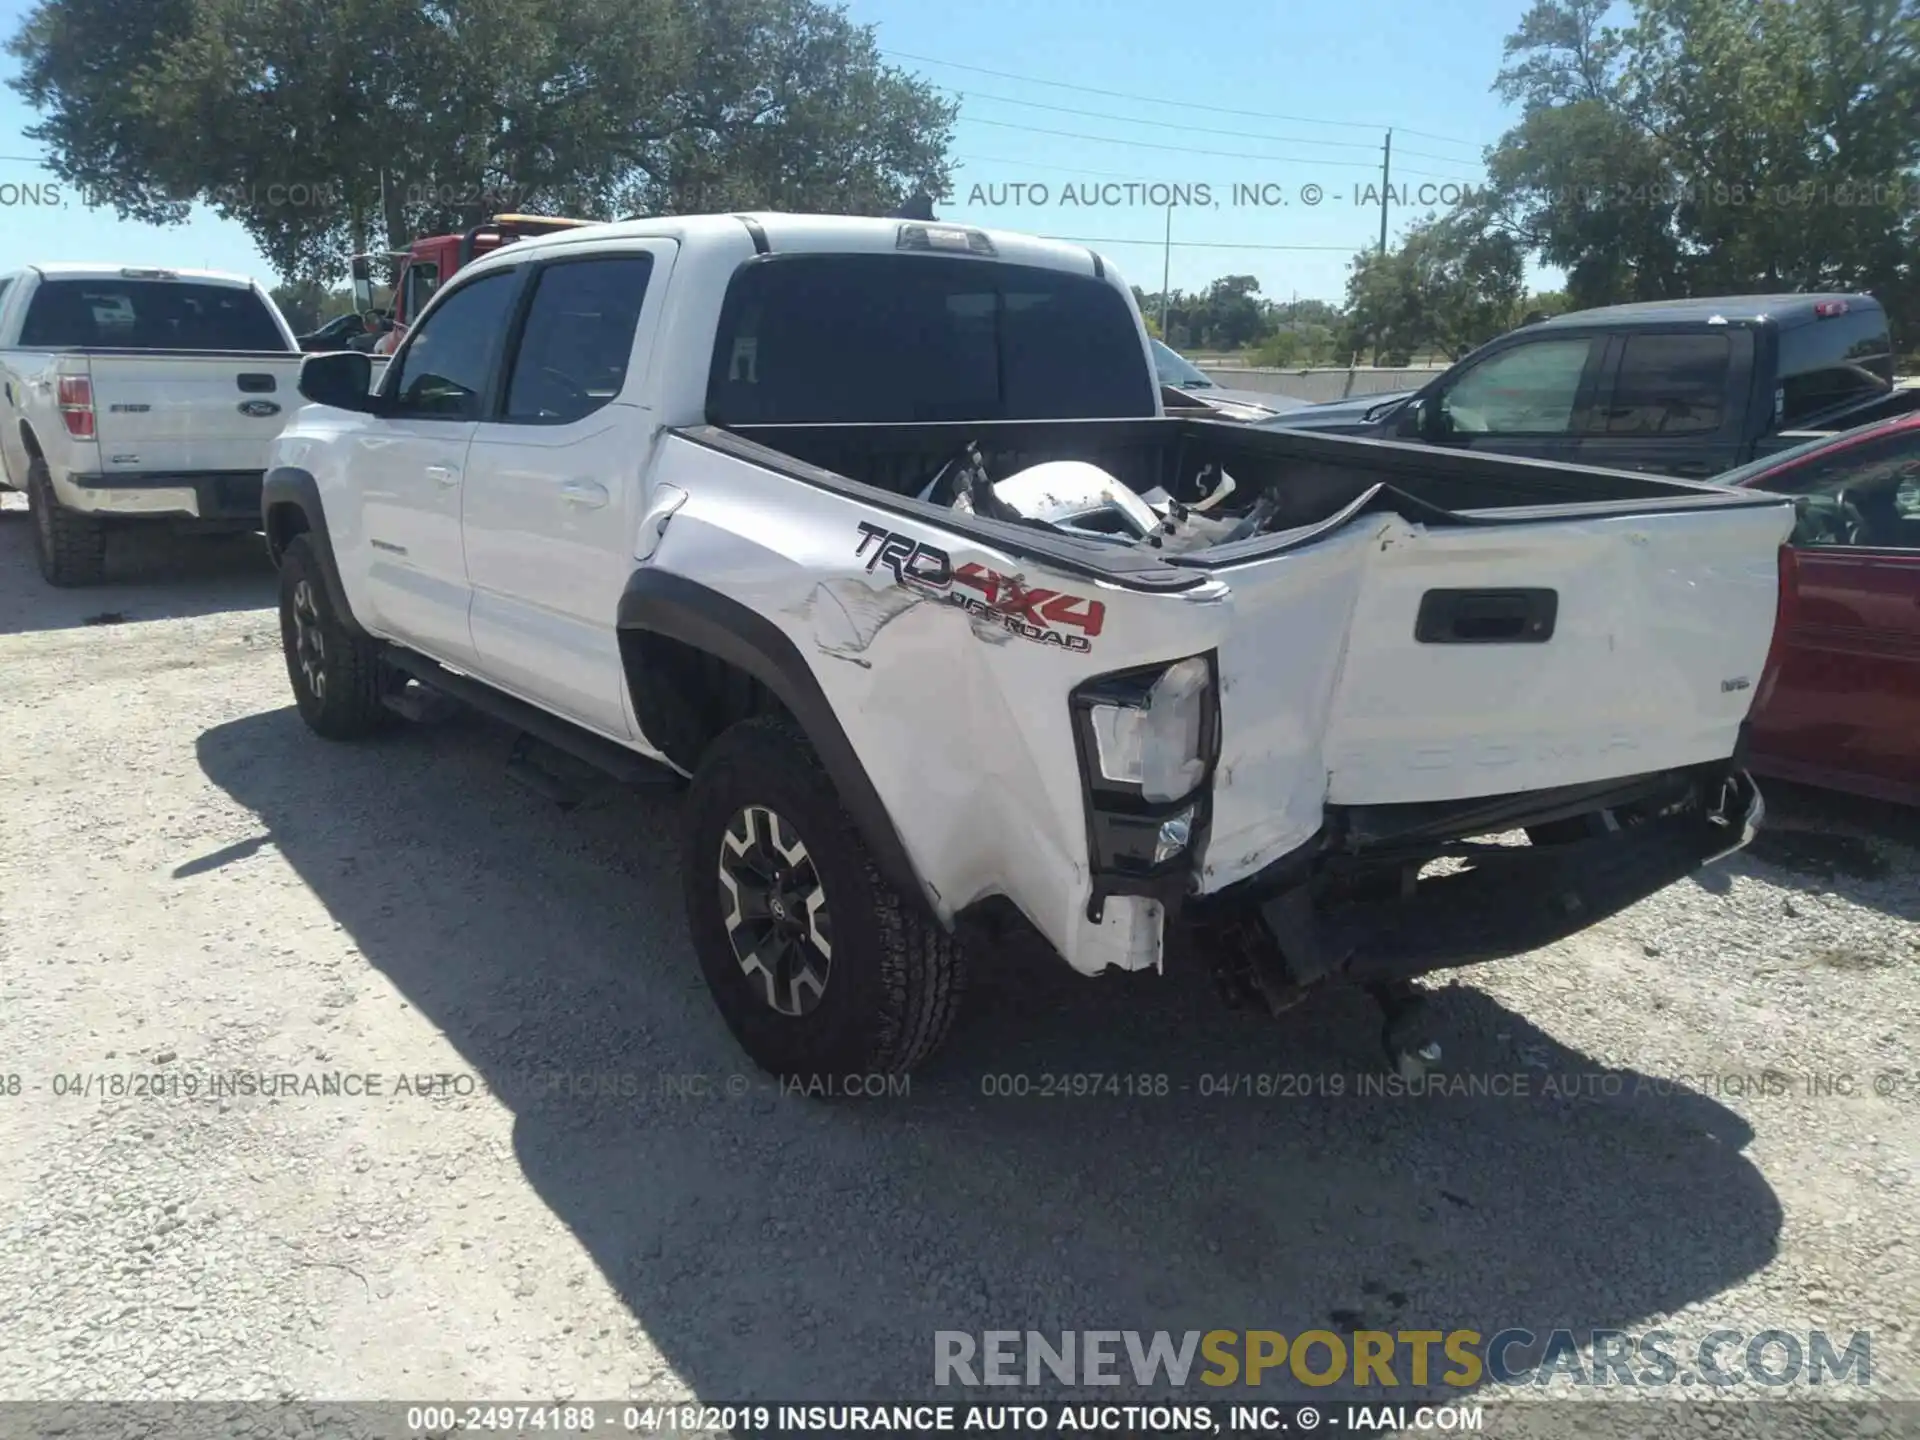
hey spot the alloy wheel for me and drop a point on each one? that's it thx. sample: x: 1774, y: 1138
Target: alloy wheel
x: 309, y: 642
x: 774, y: 907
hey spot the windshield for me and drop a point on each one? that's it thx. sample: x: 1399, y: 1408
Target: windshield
x: 887, y: 339
x: 1178, y: 371
x: 147, y: 315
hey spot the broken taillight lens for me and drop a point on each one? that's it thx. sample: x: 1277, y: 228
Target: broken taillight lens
x: 76, y: 406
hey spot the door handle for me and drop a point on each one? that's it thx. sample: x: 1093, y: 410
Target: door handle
x: 445, y: 474
x: 1692, y: 467
x: 586, y: 494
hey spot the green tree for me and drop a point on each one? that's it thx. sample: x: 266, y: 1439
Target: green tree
x: 1451, y: 284
x: 1322, y: 313
x: 1543, y: 304
x: 1281, y: 350
x: 326, y: 126
x: 300, y: 302
x: 1229, y: 315
x: 308, y: 304
x: 1714, y: 146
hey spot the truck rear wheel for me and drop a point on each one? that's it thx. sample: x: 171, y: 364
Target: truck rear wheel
x: 337, y: 676
x: 72, y: 548
x: 820, y: 968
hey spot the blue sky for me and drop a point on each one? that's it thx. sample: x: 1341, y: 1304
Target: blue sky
x: 1287, y: 96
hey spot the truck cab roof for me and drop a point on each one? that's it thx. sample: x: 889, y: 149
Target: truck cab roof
x: 1784, y: 311
x: 72, y: 270
x: 774, y: 232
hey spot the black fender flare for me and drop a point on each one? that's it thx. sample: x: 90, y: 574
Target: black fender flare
x: 695, y: 615
x: 290, y: 485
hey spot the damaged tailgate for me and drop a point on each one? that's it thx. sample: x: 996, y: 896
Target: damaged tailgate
x: 1395, y: 661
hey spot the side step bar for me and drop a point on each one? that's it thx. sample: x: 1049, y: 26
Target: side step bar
x: 621, y: 763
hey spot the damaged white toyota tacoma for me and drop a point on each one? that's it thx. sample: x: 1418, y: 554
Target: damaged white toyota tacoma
x: 877, y: 533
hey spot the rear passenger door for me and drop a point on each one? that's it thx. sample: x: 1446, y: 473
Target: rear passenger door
x: 553, y: 482
x: 1672, y: 401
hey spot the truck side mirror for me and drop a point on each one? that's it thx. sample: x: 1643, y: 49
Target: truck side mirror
x: 362, y: 283
x: 341, y: 379
x: 1423, y: 419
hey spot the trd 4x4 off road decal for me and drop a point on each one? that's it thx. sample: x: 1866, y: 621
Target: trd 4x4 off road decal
x: 1048, y: 617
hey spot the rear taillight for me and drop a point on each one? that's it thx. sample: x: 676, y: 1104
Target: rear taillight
x: 1827, y: 309
x: 1789, y: 589
x: 1783, y: 614
x: 76, y: 406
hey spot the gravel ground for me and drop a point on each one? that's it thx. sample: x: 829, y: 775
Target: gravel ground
x: 567, y: 1185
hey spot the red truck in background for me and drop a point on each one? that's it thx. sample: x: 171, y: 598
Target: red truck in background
x: 426, y: 264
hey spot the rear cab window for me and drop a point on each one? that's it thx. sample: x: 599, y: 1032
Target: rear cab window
x: 148, y: 315
x: 1830, y: 362
x: 889, y: 339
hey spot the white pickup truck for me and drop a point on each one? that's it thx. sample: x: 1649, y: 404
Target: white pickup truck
x: 876, y: 531
x: 137, y: 395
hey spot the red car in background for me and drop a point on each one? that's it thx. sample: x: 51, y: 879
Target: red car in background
x: 1839, y: 704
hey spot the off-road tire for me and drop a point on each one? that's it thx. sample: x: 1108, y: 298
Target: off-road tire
x: 895, y: 978
x: 71, y: 547
x: 338, y: 686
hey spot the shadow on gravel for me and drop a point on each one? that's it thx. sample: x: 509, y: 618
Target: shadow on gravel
x: 152, y: 574
x: 779, y: 1247
x: 1864, y: 850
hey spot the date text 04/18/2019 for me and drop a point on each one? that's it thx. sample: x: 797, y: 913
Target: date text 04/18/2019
x: 689, y: 1419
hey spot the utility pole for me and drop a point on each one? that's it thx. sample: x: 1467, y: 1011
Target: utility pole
x: 1386, y: 188
x: 1166, y: 277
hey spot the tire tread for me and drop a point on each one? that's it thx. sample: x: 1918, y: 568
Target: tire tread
x: 922, y: 966
x: 72, y: 548
x: 354, y: 707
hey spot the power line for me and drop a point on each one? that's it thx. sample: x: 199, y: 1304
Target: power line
x: 1194, y: 244
x: 1157, y: 100
x: 1061, y: 169
x: 1223, y: 154
x: 1196, y: 129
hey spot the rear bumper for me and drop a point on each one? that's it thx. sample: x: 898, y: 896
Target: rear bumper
x: 190, y: 494
x: 1363, y: 911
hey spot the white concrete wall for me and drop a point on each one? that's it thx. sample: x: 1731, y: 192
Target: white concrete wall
x: 1320, y: 385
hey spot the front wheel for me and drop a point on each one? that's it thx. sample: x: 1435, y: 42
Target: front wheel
x: 337, y: 676
x: 820, y: 968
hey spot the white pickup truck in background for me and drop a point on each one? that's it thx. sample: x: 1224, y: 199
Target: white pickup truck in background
x: 137, y: 395
x: 879, y: 532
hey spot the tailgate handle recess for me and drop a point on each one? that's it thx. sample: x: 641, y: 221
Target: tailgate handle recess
x: 258, y: 384
x: 1486, y: 617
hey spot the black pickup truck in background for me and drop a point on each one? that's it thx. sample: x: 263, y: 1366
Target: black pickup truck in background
x: 1680, y: 387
